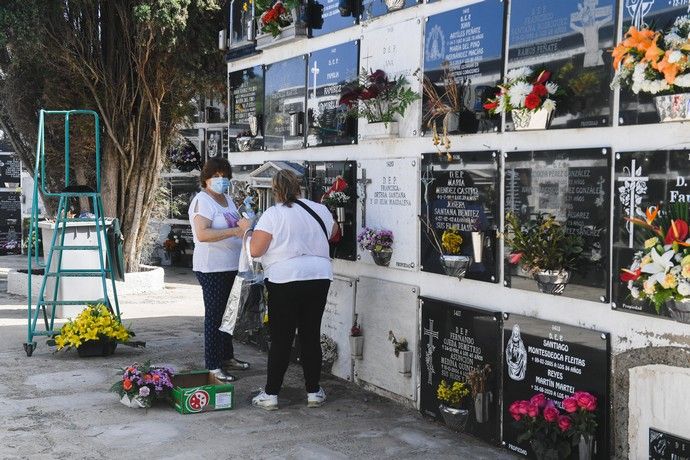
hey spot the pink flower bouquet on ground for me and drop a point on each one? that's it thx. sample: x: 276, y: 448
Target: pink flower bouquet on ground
x: 140, y: 385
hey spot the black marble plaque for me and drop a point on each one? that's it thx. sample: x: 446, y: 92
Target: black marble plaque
x: 375, y: 8
x: 466, y: 44
x: 639, y: 108
x: 214, y: 143
x: 5, y: 144
x: 10, y: 223
x: 336, y: 15
x: 183, y: 188
x: 557, y: 360
x: 462, y: 193
x: 329, y: 71
x: 319, y: 178
x: 455, y: 341
x: 569, y: 39
x: 284, y: 106
x: 643, y: 179
x: 665, y: 446
x: 10, y: 171
x: 574, y: 186
x: 246, y: 95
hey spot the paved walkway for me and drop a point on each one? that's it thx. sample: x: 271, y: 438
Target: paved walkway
x: 58, y: 405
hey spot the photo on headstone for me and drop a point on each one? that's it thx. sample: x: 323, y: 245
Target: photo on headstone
x: 462, y: 344
x: 336, y: 15
x: 462, y: 66
x: 387, y: 190
x: 10, y: 222
x: 246, y: 108
x: 334, y: 184
x: 640, y: 108
x: 373, y: 8
x: 563, y: 196
x: 214, y: 143
x: 651, y: 273
x: 284, y: 104
x: 330, y: 70
x: 556, y: 360
x: 570, y: 40
x: 459, y: 215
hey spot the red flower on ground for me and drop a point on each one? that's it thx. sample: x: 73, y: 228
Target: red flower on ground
x: 540, y: 90
x: 532, y: 101
x: 539, y: 400
x: 678, y: 231
x: 127, y: 384
x: 564, y: 422
x: 586, y: 401
x: 570, y: 405
x: 550, y: 412
x: 630, y: 275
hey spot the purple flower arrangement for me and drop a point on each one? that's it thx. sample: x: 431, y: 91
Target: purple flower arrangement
x: 185, y: 156
x: 144, y: 383
x: 375, y: 240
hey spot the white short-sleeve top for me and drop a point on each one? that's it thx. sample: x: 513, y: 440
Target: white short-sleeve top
x: 217, y: 256
x: 299, y: 250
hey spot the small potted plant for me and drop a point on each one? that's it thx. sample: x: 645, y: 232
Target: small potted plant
x: 96, y: 331
x: 656, y: 62
x: 581, y: 407
x: 544, y: 248
x: 541, y: 423
x: 141, y: 385
x: 527, y: 95
x: 379, y: 99
x: 404, y: 355
x: 356, y: 340
x: 379, y: 243
x: 661, y: 272
x: 478, y: 380
x: 451, y: 397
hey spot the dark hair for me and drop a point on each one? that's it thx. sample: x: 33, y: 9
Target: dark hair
x: 213, y: 166
x: 286, y: 186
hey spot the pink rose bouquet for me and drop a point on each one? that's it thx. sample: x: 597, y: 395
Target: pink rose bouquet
x: 581, y: 408
x: 541, y: 423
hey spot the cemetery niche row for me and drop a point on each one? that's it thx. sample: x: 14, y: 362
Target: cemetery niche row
x: 295, y: 103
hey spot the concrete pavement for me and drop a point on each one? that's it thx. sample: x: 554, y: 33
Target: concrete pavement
x: 57, y: 405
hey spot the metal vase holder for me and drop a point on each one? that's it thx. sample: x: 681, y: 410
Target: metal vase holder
x: 552, y: 281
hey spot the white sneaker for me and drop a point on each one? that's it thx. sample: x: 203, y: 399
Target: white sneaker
x: 265, y: 401
x: 316, y: 399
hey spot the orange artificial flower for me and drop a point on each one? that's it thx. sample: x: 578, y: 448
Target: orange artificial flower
x: 653, y: 53
x: 651, y: 213
x: 619, y: 52
x: 670, y: 70
x: 127, y: 384
x: 640, y: 39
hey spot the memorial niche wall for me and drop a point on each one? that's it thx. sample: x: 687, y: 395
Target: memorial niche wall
x: 462, y: 193
x: 644, y: 180
x: 557, y: 360
x: 574, y: 187
x: 456, y: 340
x: 319, y: 178
x: 329, y: 71
x: 336, y: 15
x: 246, y: 105
x: 284, y: 104
x: 570, y: 40
x: 465, y: 45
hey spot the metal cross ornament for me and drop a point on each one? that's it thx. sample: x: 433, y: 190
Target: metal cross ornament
x: 362, y: 183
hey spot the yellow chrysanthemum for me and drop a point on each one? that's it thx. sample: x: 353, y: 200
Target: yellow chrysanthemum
x: 451, y: 241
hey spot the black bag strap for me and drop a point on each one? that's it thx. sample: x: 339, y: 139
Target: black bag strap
x: 314, y: 215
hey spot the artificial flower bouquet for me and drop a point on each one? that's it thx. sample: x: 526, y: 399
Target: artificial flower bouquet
x: 377, y: 97
x: 184, y: 156
x: 654, y: 61
x: 95, y: 324
x: 277, y: 16
x: 524, y: 90
x: 141, y: 385
x: 335, y: 200
x: 452, y: 395
x: 541, y: 423
x: 375, y: 240
x: 581, y: 408
x: 661, y: 272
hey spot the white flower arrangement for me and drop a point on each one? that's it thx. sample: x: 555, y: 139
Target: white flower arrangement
x: 523, y: 90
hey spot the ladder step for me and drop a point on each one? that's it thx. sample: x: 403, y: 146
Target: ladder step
x: 76, y: 248
x: 69, y: 302
x: 48, y: 333
x: 80, y: 219
x: 76, y: 194
x: 93, y: 272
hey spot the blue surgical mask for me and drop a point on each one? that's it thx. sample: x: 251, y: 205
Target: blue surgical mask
x: 219, y: 184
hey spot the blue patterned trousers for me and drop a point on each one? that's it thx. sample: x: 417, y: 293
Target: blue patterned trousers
x: 216, y: 289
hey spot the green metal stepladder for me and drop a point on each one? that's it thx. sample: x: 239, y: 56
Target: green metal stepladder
x: 57, y: 244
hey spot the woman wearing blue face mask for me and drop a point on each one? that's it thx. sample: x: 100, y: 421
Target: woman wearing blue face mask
x: 218, y: 229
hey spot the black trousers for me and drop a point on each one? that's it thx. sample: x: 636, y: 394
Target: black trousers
x: 296, y: 305
x: 216, y: 289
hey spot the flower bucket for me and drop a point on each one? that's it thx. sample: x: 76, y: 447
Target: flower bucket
x: 382, y: 258
x: 405, y: 362
x: 552, y: 281
x: 455, y: 265
x: 679, y: 310
x: 135, y: 403
x: 673, y: 107
x: 455, y: 419
x: 295, y: 31
x: 394, y: 5
x: 357, y: 346
x: 585, y: 447
x: 477, y: 246
x: 382, y: 130
x: 92, y: 348
x: 245, y: 143
x: 340, y: 214
x: 525, y: 120
x: 481, y: 407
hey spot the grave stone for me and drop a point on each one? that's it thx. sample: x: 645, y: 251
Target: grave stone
x: 456, y: 340
x: 330, y: 70
x: 665, y: 446
x: 465, y: 45
x: 462, y: 193
x: 556, y: 360
x: 569, y: 39
x: 335, y: 18
x: 391, y: 205
x: 337, y: 321
x: 246, y: 103
x: 10, y: 222
x: 284, y: 104
x: 384, y: 306
x: 10, y: 171
x: 573, y: 186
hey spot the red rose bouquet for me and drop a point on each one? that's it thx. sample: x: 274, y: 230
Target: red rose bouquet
x: 581, y: 407
x: 524, y: 90
x: 542, y: 424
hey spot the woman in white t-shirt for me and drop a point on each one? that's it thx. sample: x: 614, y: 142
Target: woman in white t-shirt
x: 292, y: 240
x: 218, y: 229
